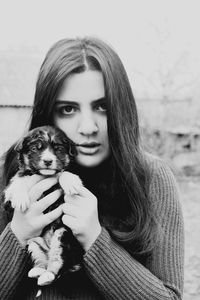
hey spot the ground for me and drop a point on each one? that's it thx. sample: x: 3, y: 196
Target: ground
x: 190, y: 200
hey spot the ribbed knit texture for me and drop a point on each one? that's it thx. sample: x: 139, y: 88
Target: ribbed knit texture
x: 109, y: 272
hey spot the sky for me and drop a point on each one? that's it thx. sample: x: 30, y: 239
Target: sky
x: 158, y: 40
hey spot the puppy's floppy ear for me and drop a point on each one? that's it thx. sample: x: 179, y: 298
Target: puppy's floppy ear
x: 72, y: 150
x: 19, y: 145
x: 69, y: 146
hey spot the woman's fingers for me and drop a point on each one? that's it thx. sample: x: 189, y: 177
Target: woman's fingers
x: 70, y: 198
x: 70, y: 209
x: 70, y: 222
x: 84, y: 192
x: 48, y: 200
x: 52, y: 215
x: 40, y: 187
x: 33, y: 179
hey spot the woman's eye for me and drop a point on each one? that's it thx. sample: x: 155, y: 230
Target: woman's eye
x: 101, y: 107
x: 66, y: 110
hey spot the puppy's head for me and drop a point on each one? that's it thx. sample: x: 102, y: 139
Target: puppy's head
x: 45, y: 150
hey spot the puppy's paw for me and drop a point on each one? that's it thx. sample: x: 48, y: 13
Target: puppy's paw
x: 46, y: 278
x: 70, y: 183
x: 20, y: 201
x: 21, y: 205
x: 36, y: 272
x: 17, y: 194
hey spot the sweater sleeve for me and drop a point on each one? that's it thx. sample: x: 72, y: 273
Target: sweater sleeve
x: 13, y: 263
x: 119, y: 276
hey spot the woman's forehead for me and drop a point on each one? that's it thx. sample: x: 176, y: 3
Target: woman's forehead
x: 88, y: 85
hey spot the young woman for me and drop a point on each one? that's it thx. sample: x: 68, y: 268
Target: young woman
x: 127, y: 217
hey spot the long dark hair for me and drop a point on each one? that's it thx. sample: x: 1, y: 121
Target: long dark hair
x: 135, y: 228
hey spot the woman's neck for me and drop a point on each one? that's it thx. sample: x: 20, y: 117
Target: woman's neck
x: 96, y: 174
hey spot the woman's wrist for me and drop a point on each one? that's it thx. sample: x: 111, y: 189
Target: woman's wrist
x: 92, y: 238
x: 18, y: 234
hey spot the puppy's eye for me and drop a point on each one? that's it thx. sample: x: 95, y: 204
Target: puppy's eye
x: 59, y: 147
x: 33, y: 147
x: 36, y: 146
x: 39, y: 145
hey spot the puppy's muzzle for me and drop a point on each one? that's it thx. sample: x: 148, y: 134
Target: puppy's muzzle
x: 47, y: 162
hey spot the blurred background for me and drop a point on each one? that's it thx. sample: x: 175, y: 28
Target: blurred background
x: 159, y: 44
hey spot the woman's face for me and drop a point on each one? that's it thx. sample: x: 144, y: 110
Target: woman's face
x: 80, y: 111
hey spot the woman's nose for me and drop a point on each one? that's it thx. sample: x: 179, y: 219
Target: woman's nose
x: 87, y: 125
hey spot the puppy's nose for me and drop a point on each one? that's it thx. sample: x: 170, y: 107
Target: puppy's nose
x: 47, y: 162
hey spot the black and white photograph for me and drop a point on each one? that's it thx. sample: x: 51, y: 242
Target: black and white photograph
x: 99, y: 150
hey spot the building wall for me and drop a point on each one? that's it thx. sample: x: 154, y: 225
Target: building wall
x: 181, y: 147
x: 13, y: 122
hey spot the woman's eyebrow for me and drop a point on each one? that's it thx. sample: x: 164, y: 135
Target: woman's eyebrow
x: 99, y: 100
x: 58, y: 101
x: 65, y: 102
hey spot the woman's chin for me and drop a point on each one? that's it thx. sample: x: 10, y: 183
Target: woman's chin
x: 89, y: 161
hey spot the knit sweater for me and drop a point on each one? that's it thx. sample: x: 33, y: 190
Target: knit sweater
x: 109, y: 271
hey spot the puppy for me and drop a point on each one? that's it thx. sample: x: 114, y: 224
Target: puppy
x: 47, y: 151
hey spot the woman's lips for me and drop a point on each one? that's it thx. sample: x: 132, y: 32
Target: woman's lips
x: 88, y: 148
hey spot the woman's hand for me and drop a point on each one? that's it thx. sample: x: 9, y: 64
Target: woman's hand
x: 28, y: 224
x: 81, y: 216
